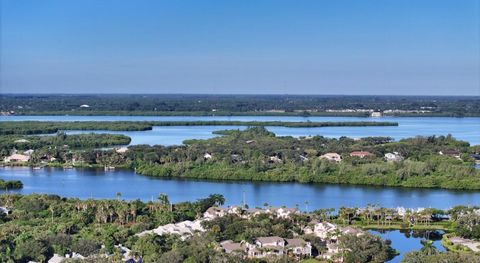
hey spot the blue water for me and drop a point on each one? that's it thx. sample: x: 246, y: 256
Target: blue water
x: 407, y: 240
x: 467, y: 129
x: 96, y: 183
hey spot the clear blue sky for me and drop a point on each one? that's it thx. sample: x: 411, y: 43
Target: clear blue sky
x: 427, y: 47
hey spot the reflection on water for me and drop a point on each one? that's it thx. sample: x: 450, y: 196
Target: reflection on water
x: 408, y: 240
x: 97, y: 183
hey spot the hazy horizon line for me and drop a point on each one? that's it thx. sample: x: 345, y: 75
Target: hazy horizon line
x: 241, y: 94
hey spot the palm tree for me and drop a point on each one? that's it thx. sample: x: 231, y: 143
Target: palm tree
x: 51, y: 209
x: 163, y: 198
x: 428, y: 248
x: 118, y: 195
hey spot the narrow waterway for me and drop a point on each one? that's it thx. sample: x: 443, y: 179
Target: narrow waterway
x: 96, y: 183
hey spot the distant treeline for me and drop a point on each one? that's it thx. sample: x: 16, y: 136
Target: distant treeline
x: 289, y: 105
x: 60, y: 140
x: 45, y: 127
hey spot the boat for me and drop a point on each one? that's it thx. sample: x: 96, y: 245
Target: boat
x: 109, y: 168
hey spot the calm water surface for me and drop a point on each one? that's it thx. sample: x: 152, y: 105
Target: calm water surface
x: 86, y: 183
x: 407, y: 240
x: 462, y: 128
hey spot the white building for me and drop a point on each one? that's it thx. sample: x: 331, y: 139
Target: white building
x: 20, y: 158
x: 207, y: 156
x: 334, y: 157
x: 393, y: 157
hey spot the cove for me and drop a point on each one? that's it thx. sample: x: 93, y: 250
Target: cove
x: 405, y: 241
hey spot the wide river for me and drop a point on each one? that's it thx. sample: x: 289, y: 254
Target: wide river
x: 96, y: 183
x: 462, y: 128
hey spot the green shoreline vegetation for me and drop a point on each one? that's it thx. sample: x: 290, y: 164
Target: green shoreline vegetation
x: 47, y: 127
x: 10, y: 184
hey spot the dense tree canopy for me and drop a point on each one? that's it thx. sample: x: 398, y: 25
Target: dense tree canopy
x: 300, y: 105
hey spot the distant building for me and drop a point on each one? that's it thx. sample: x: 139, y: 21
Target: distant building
x: 121, y: 150
x: 334, y: 157
x: 84, y: 106
x: 21, y: 141
x: 20, y: 158
x: 376, y: 114
x: 268, y: 247
x: 282, y: 212
x: 393, y: 157
x: 233, y: 247
x: 299, y: 247
x: 361, y: 154
x: 214, y: 212
x: 28, y: 152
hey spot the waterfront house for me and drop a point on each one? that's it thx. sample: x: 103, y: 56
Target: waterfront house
x: 234, y: 247
x: 272, y: 241
x: 184, y: 229
x: 325, y: 231
x: 334, y: 157
x: 275, y: 246
x: 19, y: 158
x: 376, y: 114
x: 360, y: 154
x: 393, y: 157
x: 282, y: 212
x: 299, y: 247
x: 214, y: 212
x: 351, y: 231
x: 269, y: 246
